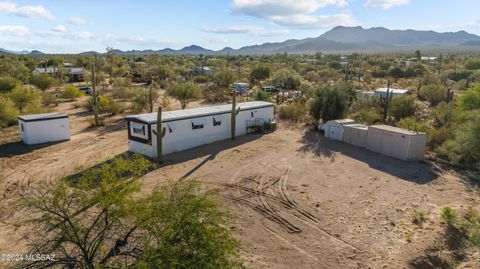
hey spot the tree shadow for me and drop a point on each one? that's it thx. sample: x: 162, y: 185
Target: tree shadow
x: 416, y: 172
x: 17, y: 148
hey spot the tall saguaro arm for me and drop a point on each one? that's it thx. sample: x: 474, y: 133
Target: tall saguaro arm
x: 235, y: 111
x: 160, y: 133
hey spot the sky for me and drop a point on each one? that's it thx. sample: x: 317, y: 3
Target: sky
x: 60, y: 26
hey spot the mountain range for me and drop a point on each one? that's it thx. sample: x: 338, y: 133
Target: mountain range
x: 338, y: 40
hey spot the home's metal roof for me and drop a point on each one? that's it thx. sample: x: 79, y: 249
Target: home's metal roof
x: 196, y: 112
x: 42, y: 117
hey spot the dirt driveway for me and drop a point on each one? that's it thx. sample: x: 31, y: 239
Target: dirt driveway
x: 299, y: 200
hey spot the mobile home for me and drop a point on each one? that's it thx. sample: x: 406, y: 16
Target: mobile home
x: 43, y: 128
x: 194, y: 127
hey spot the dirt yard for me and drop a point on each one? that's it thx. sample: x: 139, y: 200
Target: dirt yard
x: 299, y: 200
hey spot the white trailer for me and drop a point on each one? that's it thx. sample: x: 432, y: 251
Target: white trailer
x: 194, y: 127
x: 44, y: 128
x: 333, y: 129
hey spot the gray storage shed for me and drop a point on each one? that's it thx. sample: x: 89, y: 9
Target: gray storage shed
x: 355, y: 134
x: 396, y: 142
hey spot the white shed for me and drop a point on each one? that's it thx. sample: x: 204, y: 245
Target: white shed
x: 43, y: 128
x: 355, y: 134
x: 396, y: 142
x: 194, y: 127
x: 382, y: 92
x: 334, y: 128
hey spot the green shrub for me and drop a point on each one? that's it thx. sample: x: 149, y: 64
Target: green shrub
x: 419, y: 217
x: 437, y: 137
x: 403, y: 107
x: 7, y: 84
x: 449, y: 215
x: 115, y: 108
x: 43, y: 81
x: 413, y: 124
x: 261, y: 95
x: 8, y: 112
x: 295, y: 112
x: 26, y: 99
x: 434, y: 94
x: 71, y: 92
x: 49, y: 98
x: 367, y: 116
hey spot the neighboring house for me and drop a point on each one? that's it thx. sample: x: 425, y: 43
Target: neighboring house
x: 75, y: 74
x: 241, y: 87
x: 429, y: 59
x: 382, y: 92
x: 201, y: 70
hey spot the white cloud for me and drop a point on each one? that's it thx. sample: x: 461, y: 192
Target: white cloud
x: 14, y: 30
x: 218, y: 39
x: 37, y: 12
x: 386, y: 4
x: 60, y: 29
x: 77, y: 21
x: 295, y: 13
x: 245, y: 29
x: 83, y: 35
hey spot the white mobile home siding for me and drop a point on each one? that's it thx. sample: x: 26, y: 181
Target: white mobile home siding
x: 180, y: 135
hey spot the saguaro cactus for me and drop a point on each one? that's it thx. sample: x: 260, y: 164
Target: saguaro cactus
x: 235, y: 111
x: 385, y: 102
x: 160, y: 133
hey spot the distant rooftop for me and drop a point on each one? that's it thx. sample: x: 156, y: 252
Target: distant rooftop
x: 392, y: 90
x: 197, y: 112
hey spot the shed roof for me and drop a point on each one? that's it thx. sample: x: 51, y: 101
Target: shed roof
x: 43, y: 117
x: 396, y: 129
x: 341, y: 122
x: 356, y: 126
x: 197, y: 112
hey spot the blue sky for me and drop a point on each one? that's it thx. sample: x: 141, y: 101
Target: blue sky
x: 76, y: 26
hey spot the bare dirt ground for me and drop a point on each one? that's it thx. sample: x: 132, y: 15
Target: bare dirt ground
x: 299, y: 200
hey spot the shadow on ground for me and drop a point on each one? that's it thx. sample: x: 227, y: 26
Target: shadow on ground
x: 210, y: 150
x: 416, y: 172
x: 13, y: 149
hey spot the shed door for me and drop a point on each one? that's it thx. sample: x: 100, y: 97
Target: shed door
x: 334, y: 132
x: 387, y: 144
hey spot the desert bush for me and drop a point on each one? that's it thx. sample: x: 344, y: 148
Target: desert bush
x: 49, y: 98
x: 71, y: 92
x: 449, y: 215
x: 115, y: 108
x: 143, y: 100
x: 367, y: 116
x: 419, y: 217
x: 470, y: 100
x: 8, y: 112
x: 124, y: 93
x: 184, y: 93
x: 295, y: 112
x: 263, y: 96
x: 433, y: 93
x: 403, y: 107
x: 7, y: 84
x: 43, y: 81
x: 437, y: 137
x: 26, y: 99
x: 412, y: 124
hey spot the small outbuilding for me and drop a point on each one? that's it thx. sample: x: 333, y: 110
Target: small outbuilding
x: 355, y: 134
x: 333, y: 129
x: 43, y: 128
x: 396, y: 142
x: 382, y: 92
x: 194, y: 127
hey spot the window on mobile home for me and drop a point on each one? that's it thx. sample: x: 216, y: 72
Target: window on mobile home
x: 138, y: 130
x: 217, y: 120
x: 198, y: 123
